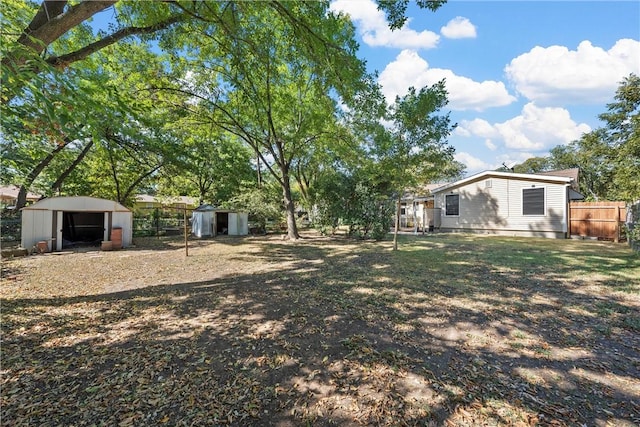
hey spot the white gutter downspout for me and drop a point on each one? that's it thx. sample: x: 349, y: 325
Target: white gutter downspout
x: 565, y: 225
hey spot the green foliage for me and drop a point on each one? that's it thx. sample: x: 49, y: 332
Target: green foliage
x: 104, y: 113
x: 212, y: 166
x: 351, y: 201
x: 263, y: 204
x: 532, y: 165
x: 368, y: 213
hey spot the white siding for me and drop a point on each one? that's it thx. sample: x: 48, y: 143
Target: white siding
x: 37, y: 225
x: 498, y: 208
x: 243, y: 224
x: 124, y: 220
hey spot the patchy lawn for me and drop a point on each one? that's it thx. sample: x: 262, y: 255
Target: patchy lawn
x: 451, y: 330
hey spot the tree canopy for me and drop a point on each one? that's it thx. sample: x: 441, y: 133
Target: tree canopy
x: 109, y: 97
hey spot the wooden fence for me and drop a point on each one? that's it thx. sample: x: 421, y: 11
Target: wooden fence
x: 603, y: 220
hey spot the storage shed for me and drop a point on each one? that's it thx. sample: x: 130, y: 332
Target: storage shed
x: 208, y: 220
x: 65, y: 222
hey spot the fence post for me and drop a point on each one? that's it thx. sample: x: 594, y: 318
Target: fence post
x: 186, y: 236
x: 616, y: 239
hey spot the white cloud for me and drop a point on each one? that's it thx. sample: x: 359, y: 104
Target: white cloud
x: 459, y: 28
x: 478, y: 127
x: 473, y: 164
x: 540, y: 128
x: 556, y: 75
x: 409, y: 69
x: 535, y: 129
x: 490, y: 145
x: 374, y: 29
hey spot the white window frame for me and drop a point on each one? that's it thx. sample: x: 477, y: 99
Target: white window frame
x: 544, y: 201
x: 445, y: 204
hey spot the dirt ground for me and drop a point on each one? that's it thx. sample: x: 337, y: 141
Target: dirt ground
x: 451, y: 330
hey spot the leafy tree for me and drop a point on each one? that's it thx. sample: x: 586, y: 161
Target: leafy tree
x: 269, y: 95
x: 263, y: 204
x: 50, y: 42
x: 352, y: 199
x: 212, y: 167
x: 621, y: 136
x: 413, y: 150
x: 532, y: 165
x: 49, y: 83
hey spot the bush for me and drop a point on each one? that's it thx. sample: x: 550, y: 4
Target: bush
x: 343, y: 200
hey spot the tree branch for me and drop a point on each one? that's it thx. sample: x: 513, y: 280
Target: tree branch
x: 64, y: 60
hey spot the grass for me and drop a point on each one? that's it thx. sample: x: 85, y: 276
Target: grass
x: 449, y: 330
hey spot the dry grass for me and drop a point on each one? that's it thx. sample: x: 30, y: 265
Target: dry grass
x: 450, y: 330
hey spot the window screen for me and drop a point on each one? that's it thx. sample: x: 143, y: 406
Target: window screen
x: 533, y: 201
x: 452, y: 202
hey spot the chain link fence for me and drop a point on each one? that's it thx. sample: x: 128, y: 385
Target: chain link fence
x: 159, y: 222
x: 10, y: 230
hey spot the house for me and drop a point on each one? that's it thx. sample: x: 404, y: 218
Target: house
x: 9, y: 196
x: 65, y: 222
x: 507, y: 203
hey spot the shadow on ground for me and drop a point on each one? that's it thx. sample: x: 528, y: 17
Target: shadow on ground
x: 451, y: 329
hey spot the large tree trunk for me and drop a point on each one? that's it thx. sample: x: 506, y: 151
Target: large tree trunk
x: 35, y: 172
x: 292, y: 228
x: 56, y: 186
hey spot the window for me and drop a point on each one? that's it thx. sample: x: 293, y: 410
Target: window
x: 533, y: 201
x: 452, y: 204
x: 487, y: 184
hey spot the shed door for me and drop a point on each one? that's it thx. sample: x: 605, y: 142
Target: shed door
x: 233, y: 224
x: 59, y: 230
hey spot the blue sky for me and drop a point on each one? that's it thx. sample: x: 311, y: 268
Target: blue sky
x: 523, y: 77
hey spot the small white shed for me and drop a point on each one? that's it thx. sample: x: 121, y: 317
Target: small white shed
x: 64, y: 222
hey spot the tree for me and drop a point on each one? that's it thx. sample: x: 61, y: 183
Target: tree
x: 272, y: 97
x: 261, y: 203
x: 212, y: 166
x: 413, y: 150
x: 48, y: 80
x: 104, y: 117
x: 621, y: 137
x: 532, y: 165
x: 29, y: 55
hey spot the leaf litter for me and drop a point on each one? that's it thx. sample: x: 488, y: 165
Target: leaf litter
x: 260, y: 331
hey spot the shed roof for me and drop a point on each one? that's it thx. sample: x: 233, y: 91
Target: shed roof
x: 506, y: 175
x: 205, y: 208
x: 77, y: 204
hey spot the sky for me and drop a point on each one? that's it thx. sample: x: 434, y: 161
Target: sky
x: 522, y: 77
